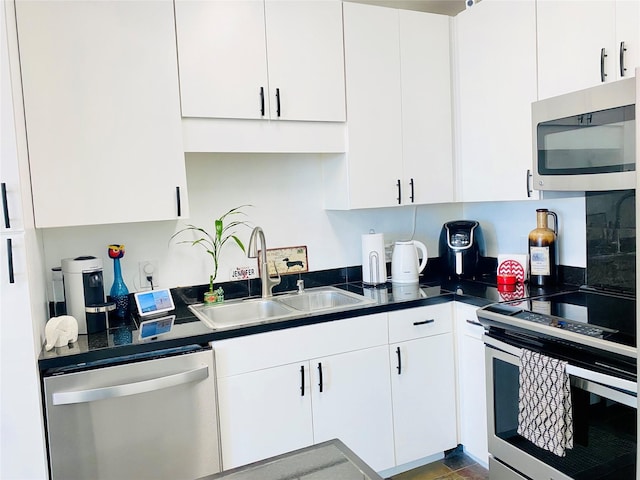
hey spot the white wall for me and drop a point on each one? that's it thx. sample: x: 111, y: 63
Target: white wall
x: 286, y: 192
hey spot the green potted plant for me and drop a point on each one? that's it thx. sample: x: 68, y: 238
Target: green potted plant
x: 213, y: 243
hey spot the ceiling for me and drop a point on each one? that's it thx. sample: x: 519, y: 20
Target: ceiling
x: 445, y: 7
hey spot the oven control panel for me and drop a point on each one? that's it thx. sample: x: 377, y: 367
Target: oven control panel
x: 581, y: 328
x: 550, y: 320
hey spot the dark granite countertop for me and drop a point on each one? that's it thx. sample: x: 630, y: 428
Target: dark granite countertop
x: 123, y: 343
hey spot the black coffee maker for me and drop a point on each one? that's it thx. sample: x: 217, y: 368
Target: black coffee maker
x: 461, y: 248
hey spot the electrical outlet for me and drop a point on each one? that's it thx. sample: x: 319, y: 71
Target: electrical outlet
x: 148, y: 268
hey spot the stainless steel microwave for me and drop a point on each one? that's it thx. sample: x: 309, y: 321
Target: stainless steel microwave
x: 586, y: 140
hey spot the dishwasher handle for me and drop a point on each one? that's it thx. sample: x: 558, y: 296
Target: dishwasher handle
x: 115, y: 391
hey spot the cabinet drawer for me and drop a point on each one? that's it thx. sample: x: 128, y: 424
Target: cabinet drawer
x: 270, y: 349
x: 467, y: 321
x: 419, y: 322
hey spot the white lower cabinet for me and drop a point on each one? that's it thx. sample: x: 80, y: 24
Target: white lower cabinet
x: 384, y: 384
x: 271, y: 400
x: 354, y: 404
x: 471, y: 382
x: 264, y: 413
x: 422, y: 381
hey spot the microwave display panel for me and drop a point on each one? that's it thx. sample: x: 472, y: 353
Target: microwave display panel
x: 590, y: 143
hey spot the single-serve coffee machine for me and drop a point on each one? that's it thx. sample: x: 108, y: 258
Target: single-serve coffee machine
x: 84, y: 293
x: 461, y: 247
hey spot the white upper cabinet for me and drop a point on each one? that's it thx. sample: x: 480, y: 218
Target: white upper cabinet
x: 222, y: 58
x: 584, y: 43
x: 374, y: 127
x: 102, y: 111
x: 254, y: 59
x: 496, y: 84
x: 397, y: 69
x: 425, y: 64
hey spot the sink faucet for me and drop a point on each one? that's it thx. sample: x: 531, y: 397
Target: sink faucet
x: 257, y: 236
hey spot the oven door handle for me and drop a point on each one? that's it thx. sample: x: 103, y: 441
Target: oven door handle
x: 617, y: 389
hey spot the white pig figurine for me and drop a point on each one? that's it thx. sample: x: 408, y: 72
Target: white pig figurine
x: 60, y: 331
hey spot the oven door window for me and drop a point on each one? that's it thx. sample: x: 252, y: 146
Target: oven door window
x: 604, y: 429
x: 597, y: 142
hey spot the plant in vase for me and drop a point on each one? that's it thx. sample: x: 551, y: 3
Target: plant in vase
x: 213, y: 243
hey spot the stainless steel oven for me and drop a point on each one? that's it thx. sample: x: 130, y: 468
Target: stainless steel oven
x: 594, y: 334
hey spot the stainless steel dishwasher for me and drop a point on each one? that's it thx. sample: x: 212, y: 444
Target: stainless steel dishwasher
x: 153, y: 417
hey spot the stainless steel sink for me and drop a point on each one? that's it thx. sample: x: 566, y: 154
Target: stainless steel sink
x: 324, y: 298
x: 236, y: 313
x: 241, y: 313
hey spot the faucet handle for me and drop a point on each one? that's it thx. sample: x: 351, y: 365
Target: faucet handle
x: 278, y: 278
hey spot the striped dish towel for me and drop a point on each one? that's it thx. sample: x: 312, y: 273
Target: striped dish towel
x: 544, y: 414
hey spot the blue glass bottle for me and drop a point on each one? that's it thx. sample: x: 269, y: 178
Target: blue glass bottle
x: 119, y: 292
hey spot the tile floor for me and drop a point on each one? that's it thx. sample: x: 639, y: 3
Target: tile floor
x: 455, y: 466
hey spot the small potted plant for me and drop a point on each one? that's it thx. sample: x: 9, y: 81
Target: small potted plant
x: 213, y: 244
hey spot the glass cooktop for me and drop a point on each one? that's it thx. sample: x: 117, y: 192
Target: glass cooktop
x: 583, y: 312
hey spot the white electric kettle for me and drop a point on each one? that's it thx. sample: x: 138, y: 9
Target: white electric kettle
x: 405, y: 265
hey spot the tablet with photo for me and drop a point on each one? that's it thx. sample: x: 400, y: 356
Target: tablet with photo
x: 154, y: 302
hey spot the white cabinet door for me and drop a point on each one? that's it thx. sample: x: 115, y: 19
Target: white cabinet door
x: 264, y: 413
x: 9, y: 173
x: 102, y: 110
x: 496, y: 84
x: 253, y: 59
x: 627, y: 38
x: 399, y: 108
x: 471, y: 383
x: 424, y: 397
x: 352, y: 402
x: 571, y: 36
x: 305, y: 60
x: 427, y: 138
x: 21, y: 428
x: 374, y: 111
x: 222, y: 58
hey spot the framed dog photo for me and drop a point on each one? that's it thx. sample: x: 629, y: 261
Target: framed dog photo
x: 287, y: 260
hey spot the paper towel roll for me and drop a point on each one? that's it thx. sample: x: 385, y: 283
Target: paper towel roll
x: 374, y: 262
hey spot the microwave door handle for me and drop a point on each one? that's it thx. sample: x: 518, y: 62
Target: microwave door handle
x: 115, y: 391
x: 529, y: 191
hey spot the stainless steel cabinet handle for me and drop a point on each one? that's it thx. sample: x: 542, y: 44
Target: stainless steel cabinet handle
x: 622, y: 50
x: 603, y: 55
x: 115, y: 391
x: 10, y: 261
x: 529, y: 191
x: 5, y: 206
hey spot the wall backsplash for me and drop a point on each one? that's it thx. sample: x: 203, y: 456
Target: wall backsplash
x: 286, y: 192
x: 611, y: 239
